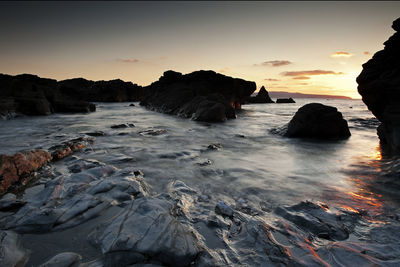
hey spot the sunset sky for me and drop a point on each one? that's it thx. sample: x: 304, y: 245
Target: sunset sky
x: 307, y: 47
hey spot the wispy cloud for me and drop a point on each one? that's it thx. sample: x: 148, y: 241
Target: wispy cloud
x: 301, y: 78
x: 304, y: 74
x: 272, y: 80
x: 224, y: 70
x: 128, y: 60
x: 341, y: 54
x: 367, y: 53
x: 275, y: 63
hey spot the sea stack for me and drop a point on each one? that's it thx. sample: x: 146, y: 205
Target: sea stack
x: 261, y: 98
x: 379, y: 86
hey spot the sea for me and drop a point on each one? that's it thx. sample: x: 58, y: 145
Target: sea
x: 241, y: 159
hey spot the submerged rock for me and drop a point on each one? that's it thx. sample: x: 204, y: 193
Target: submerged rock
x: 285, y: 100
x: 16, y: 169
x: 200, y: 95
x: 123, y: 125
x: 65, y: 259
x: 11, y: 251
x: 261, y: 97
x: 223, y: 209
x: 379, y: 84
x: 318, y: 121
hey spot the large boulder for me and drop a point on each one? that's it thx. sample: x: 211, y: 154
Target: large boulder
x: 200, y: 95
x: 379, y: 86
x: 261, y: 97
x: 318, y: 121
x: 17, y: 168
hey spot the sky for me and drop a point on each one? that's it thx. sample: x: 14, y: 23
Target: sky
x: 306, y: 47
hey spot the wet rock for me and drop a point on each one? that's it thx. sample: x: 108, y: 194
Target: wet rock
x: 17, y: 169
x: 80, y: 165
x: 11, y: 251
x: 147, y: 229
x: 122, y: 126
x: 318, y: 121
x: 378, y: 84
x: 215, y: 146
x: 319, y: 220
x: 371, y: 123
x: 65, y: 259
x: 132, y: 105
x: 261, y: 97
x: 66, y: 148
x: 204, y: 163
x: 285, y: 100
x: 153, y: 132
x: 200, y: 95
x: 9, y: 202
x: 96, y: 133
x: 223, y: 209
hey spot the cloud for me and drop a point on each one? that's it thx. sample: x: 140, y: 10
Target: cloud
x: 304, y: 74
x: 341, y: 54
x: 224, y: 70
x: 274, y: 63
x: 301, y: 78
x: 302, y: 83
x: 272, y: 80
x: 367, y: 53
x: 128, y: 60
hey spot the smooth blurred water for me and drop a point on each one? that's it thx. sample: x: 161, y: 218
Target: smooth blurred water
x: 252, y: 164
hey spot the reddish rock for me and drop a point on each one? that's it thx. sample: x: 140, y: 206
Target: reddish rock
x: 66, y: 148
x: 17, y: 168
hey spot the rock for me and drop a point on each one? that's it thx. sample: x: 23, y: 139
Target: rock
x: 379, y: 83
x: 96, y: 133
x: 319, y: 220
x: 223, y: 209
x: 132, y: 105
x: 122, y: 126
x: 101, y: 91
x: 153, y: 132
x: 17, y: 169
x: 32, y: 95
x: 318, y: 121
x: 200, y: 95
x: 215, y: 146
x: 147, y: 229
x: 65, y: 259
x: 285, y: 100
x: 261, y: 97
x: 66, y: 148
x: 11, y: 251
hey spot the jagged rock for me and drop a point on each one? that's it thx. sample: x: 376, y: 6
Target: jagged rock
x: 223, y: 209
x: 285, y: 100
x: 318, y: 121
x: 65, y: 259
x: 96, y: 133
x: 11, y: 251
x: 317, y: 220
x: 261, y: 97
x: 379, y: 84
x: 66, y: 148
x: 200, y: 95
x: 215, y: 146
x: 17, y: 168
x: 147, y: 229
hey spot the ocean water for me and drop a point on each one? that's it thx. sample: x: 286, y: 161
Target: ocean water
x: 264, y: 169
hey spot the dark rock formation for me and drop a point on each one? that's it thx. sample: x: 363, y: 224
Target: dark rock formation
x: 200, y: 95
x: 285, y: 100
x: 101, y: 91
x: 17, y: 168
x: 261, y: 97
x: 379, y: 86
x: 318, y: 121
x: 31, y: 95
